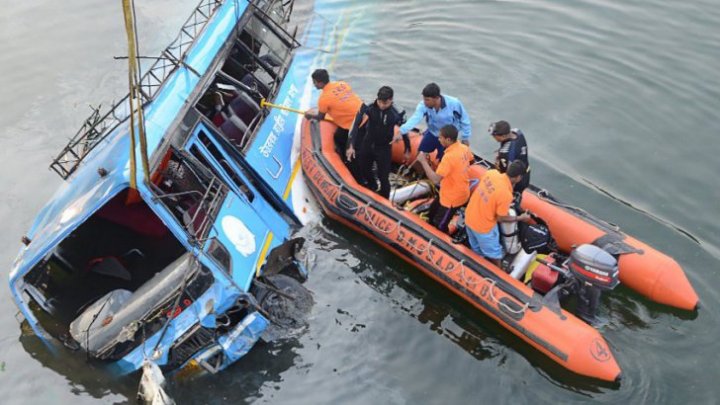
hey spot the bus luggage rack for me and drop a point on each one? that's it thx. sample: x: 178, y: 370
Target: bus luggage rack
x: 98, y: 126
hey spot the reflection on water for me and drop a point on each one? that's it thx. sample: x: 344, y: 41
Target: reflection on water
x: 83, y: 375
x: 243, y: 381
x: 262, y: 367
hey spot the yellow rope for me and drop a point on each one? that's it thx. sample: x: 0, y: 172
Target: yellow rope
x: 134, y: 97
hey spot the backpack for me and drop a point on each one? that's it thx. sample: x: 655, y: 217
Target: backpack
x: 536, y: 237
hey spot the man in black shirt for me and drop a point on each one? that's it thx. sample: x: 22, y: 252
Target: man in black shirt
x: 376, y: 127
x: 512, y: 147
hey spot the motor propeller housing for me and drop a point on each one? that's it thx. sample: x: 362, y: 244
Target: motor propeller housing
x: 594, y: 266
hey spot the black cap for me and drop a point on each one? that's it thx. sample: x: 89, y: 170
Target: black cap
x: 500, y: 128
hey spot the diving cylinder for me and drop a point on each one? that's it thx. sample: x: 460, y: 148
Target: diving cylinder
x: 402, y: 194
x: 510, y: 237
x: 520, y: 264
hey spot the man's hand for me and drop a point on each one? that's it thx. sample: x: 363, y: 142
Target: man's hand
x: 407, y: 157
x: 422, y: 158
x: 311, y: 113
x: 524, y: 217
x: 350, y: 154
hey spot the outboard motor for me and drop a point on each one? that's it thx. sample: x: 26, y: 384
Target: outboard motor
x: 596, y: 271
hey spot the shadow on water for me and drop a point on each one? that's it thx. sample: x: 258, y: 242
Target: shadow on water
x: 477, y: 334
x: 261, y: 368
x: 84, y: 376
x: 632, y: 309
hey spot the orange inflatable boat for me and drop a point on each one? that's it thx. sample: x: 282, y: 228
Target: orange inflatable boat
x: 531, y: 316
x: 523, y: 296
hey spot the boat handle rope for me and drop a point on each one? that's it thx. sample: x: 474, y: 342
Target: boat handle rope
x: 364, y: 209
x: 500, y: 303
x: 427, y: 249
x: 470, y: 282
x: 423, y: 250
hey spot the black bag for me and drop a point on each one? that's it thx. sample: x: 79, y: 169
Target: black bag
x: 536, y: 237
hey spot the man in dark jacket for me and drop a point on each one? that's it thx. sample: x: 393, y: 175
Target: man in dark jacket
x: 512, y: 147
x: 376, y: 127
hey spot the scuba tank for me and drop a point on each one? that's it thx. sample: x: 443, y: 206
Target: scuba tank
x: 510, y: 236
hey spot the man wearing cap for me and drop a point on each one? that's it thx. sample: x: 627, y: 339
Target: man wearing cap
x: 438, y: 110
x: 489, y: 204
x: 452, y: 175
x: 340, y: 102
x: 512, y: 147
x: 376, y: 127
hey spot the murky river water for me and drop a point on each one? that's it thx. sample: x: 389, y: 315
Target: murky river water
x: 618, y: 101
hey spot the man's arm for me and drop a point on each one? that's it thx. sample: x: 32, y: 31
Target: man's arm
x: 465, y: 126
x: 354, y: 137
x: 360, y: 120
x: 524, y: 217
x: 322, y: 109
x: 312, y: 114
x: 505, y: 207
x: 406, y: 141
x: 414, y: 119
x: 429, y: 172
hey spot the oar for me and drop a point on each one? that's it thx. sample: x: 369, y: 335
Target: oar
x: 264, y: 104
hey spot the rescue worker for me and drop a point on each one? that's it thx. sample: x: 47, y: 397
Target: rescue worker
x: 376, y: 127
x: 340, y: 102
x: 489, y: 204
x: 438, y: 110
x: 451, y: 175
x: 512, y: 147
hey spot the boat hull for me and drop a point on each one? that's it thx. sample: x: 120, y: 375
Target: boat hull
x: 556, y: 333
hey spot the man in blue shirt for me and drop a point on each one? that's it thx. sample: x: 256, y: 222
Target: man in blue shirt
x: 438, y: 111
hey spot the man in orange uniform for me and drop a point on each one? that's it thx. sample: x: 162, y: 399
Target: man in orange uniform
x: 452, y: 175
x: 489, y: 205
x: 340, y: 102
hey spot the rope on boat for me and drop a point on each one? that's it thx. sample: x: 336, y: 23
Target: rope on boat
x: 504, y: 305
x: 470, y: 282
x: 135, y: 96
x: 364, y: 209
x: 427, y: 248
